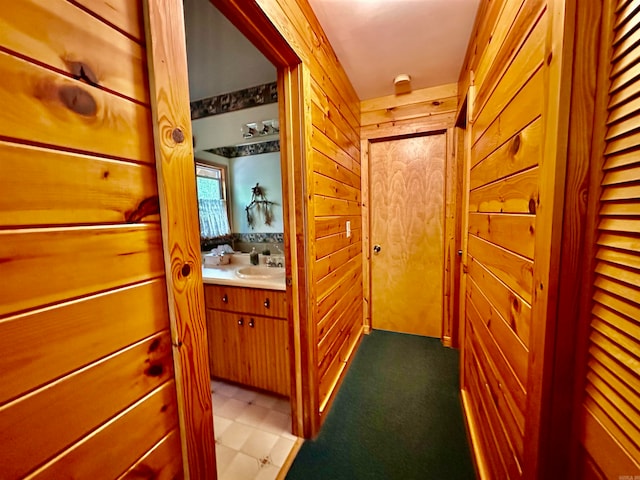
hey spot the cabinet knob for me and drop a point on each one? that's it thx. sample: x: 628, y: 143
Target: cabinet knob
x: 241, y: 322
x: 267, y: 303
x: 252, y: 323
x: 225, y: 299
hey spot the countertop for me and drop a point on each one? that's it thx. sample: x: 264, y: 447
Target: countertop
x: 226, y: 275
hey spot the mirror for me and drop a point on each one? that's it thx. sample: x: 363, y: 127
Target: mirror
x: 235, y: 122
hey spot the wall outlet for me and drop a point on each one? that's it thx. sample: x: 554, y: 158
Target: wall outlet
x: 348, y: 228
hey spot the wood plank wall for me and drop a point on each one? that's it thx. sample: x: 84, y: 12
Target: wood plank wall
x: 514, y: 62
x: 420, y: 111
x: 332, y: 159
x: 88, y: 387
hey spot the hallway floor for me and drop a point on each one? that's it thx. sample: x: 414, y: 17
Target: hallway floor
x: 397, y: 416
x: 252, y: 431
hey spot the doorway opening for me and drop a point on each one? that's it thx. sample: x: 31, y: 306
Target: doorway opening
x: 281, y: 124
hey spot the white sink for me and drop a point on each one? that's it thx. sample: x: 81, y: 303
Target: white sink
x: 260, y: 272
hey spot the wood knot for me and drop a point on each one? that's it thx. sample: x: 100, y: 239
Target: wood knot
x: 177, y: 135
x: 436, y: 103
x: 77, y: 100
x: 147, y: 207
x: 532, y: 206
x: 186, y: 270
x: 515, y: 144
x: 154, y: 345
x: 81, y: 71
x: 154, y: 370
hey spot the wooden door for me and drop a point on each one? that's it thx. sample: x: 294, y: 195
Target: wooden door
x: 407, y: 218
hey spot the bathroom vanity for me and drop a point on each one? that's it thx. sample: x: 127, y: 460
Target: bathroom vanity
x: 247, y: 327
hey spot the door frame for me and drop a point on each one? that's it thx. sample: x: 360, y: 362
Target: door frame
x: 168, y: 80
x: 448, y: 227
x: 253, y: 23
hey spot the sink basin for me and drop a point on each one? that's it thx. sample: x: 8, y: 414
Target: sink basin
x: 260, y: 272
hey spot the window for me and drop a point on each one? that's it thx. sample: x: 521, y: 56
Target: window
x: 212, y: 201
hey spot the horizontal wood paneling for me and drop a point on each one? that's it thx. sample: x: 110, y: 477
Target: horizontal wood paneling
x: 523, y: 109
x: 69, y: 409
x: 521, y: 152
x: 513, y: 232
x: 325, y: 226
x: 103, y: 455
x: 511, y: 306
x: 87, y: 365
x: 515, y: 271
x: 508, y: 61
x: 71, y: 335
x: 159, y: 460
x: 70, y: 114
x: 123, y: 14
x: 78, y: 261
x: 506, y: 339
x: 76, y: 40
x: 42, y: 187
x: 516, y: 194
x: 419, y: 111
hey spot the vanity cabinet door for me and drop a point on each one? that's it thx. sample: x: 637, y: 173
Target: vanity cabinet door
x: 265, y: 348
x: 225, y: 360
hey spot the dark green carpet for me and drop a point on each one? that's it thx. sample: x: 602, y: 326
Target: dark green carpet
x: 397, y: 416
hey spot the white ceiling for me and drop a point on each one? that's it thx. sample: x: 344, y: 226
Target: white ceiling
x: 375, y: 40
x: 220, y: 58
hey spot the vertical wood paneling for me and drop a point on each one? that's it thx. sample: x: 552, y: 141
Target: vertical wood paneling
x: 87, y: 370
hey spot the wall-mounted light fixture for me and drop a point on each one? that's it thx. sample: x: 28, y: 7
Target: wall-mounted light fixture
x: 260, y: 129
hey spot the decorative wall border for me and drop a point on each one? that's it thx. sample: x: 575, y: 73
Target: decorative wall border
x: 259, y: 237
x: 229, y: 102
x: 246, y: 150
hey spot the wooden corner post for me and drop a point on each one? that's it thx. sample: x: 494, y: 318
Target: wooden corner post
x: 169, y: 92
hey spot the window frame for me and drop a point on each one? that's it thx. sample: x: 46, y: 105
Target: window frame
x: 224, y: 180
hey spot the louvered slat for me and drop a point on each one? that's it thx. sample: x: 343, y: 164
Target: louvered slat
x: 612, y: 388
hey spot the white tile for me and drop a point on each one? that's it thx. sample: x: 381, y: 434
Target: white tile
x: 288, y: 435
x: 224, y: 455
x: 265, y: 400
x: 228, y: 389
x: 231, y: 409
x: 245, y: 395
x: 276, y: 422
x: 235, y: 435
x: 282, y: 405
x: 253, y: 415
x: 220, y: 424
x: 268, y: 472
x: 259, y: 444
x: 242, y: 467
x: 218, y: 400
x: 280, y: 451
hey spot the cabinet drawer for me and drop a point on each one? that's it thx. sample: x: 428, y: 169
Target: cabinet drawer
x: 269, y: 303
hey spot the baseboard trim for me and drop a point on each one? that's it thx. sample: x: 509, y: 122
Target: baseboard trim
x: 290, y: 458
x: 479, y: 461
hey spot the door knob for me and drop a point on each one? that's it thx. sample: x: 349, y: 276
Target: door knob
x: 376, y: 249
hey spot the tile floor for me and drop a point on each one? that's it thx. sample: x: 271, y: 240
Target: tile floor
x: 252, y: 430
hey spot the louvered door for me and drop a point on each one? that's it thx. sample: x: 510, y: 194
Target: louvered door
x: 610, y: 416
